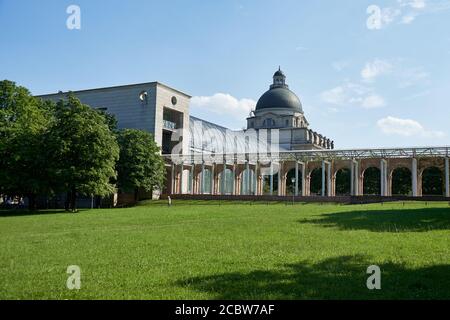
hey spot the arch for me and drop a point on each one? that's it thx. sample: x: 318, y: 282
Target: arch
x: 343, y: 179
x: 187, y: 181
x: 226, y: 188
x: 290, y: 186
x: 248, y: 183
x: 372, y: 181
x: 315, y: 186
x: 401, y: 181
x: 266, y: 184
x: 432, y: 182
x: 206, y: 181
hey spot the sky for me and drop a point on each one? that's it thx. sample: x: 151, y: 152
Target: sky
x: 368, y: 73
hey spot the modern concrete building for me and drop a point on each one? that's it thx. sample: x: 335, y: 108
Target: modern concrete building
x: 153, y: 107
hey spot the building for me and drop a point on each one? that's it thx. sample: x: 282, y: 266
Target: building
x: 152, y: 106
x: 280, y: 108
x: 213, y: 160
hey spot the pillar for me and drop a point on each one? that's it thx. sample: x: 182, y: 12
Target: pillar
x: 352, y: 179
x: 223, y: 180
x: 271, y: 178
x: 323, y: 177
x: 414, y: 177
x: 172, y: 179
x: 384, y: 178
x: 329, y: 191
x: 234, y: 179
x: 256, y: 178
x: 213, y: 180
x: 202, y: 181
x: 181, y: 177
x: 296, y: 179
x: 447, y: 178
x: 280, y: 182
x: 304, y: 187
x: 192, y: 178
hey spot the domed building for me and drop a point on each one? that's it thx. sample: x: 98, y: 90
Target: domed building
x: 280, y: 108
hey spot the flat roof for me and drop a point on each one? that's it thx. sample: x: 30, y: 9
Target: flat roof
x: 153, y: 83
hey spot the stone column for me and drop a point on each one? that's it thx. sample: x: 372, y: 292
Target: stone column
x: 256, y: 178
x: 447, y: 178
x: 202, y: 181
x: 329, y: 191
x: 213, y: 180
x: 224, y: 179
x: 172, y: 179
x: 271, y: 178
x: 323, y: 177
x: 304, y: 186
x: 383, y: 178
x: 247, y: 173
x: 181, y: 177
x: 414, y: 177
x: 280, y: 180
x: 296, y: 179
x: 352, y: 178
x: 234, y: 179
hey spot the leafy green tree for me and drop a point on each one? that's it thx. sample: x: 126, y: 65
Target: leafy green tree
x: 23, y: 123
x: 140, y: 163
x: 84, y: 151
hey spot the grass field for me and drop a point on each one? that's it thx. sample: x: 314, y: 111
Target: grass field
x: 203, y: 250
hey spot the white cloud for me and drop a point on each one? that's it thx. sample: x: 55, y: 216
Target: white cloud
x: 405, y: 10
x: 407, y: 128
x: 373, y: 101
x: 374, y: 69
x: 352, y: 94
x: 224, y: 104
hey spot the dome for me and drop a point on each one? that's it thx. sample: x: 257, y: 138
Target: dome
x: 279, y: 73
x: 279, y: 98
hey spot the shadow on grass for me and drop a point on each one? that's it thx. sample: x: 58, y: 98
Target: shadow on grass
x: 335, y: 278
x: 24, y: 212
x: 396, y: 220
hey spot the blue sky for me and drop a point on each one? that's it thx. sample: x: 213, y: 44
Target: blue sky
x: 363, y: 82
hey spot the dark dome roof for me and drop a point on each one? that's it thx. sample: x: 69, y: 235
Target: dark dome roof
x: 279, y: 98
x: 279, y: 73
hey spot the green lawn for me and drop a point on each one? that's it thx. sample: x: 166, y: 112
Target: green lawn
x: 203, y: 250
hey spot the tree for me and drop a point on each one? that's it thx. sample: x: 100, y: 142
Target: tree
x: 140, y: 163
x: 84, y: 151
x: 23, y: 123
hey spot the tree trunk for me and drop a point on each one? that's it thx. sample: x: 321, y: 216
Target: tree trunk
x: 73, y: 200
x: 68, y: 201
x: 136, y: 194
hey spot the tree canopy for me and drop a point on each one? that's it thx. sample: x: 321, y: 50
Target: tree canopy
x: 24, y: 120
x: 84, y: 150
x: 140, y: 164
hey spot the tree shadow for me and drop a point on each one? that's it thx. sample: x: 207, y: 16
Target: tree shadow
x: 342, y: 277
x: 24, y: 212
x: 404, y: 220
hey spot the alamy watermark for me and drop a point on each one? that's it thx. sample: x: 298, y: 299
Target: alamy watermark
x: 74, y: 280
x: 73, y: 21
x: 374, y: 281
